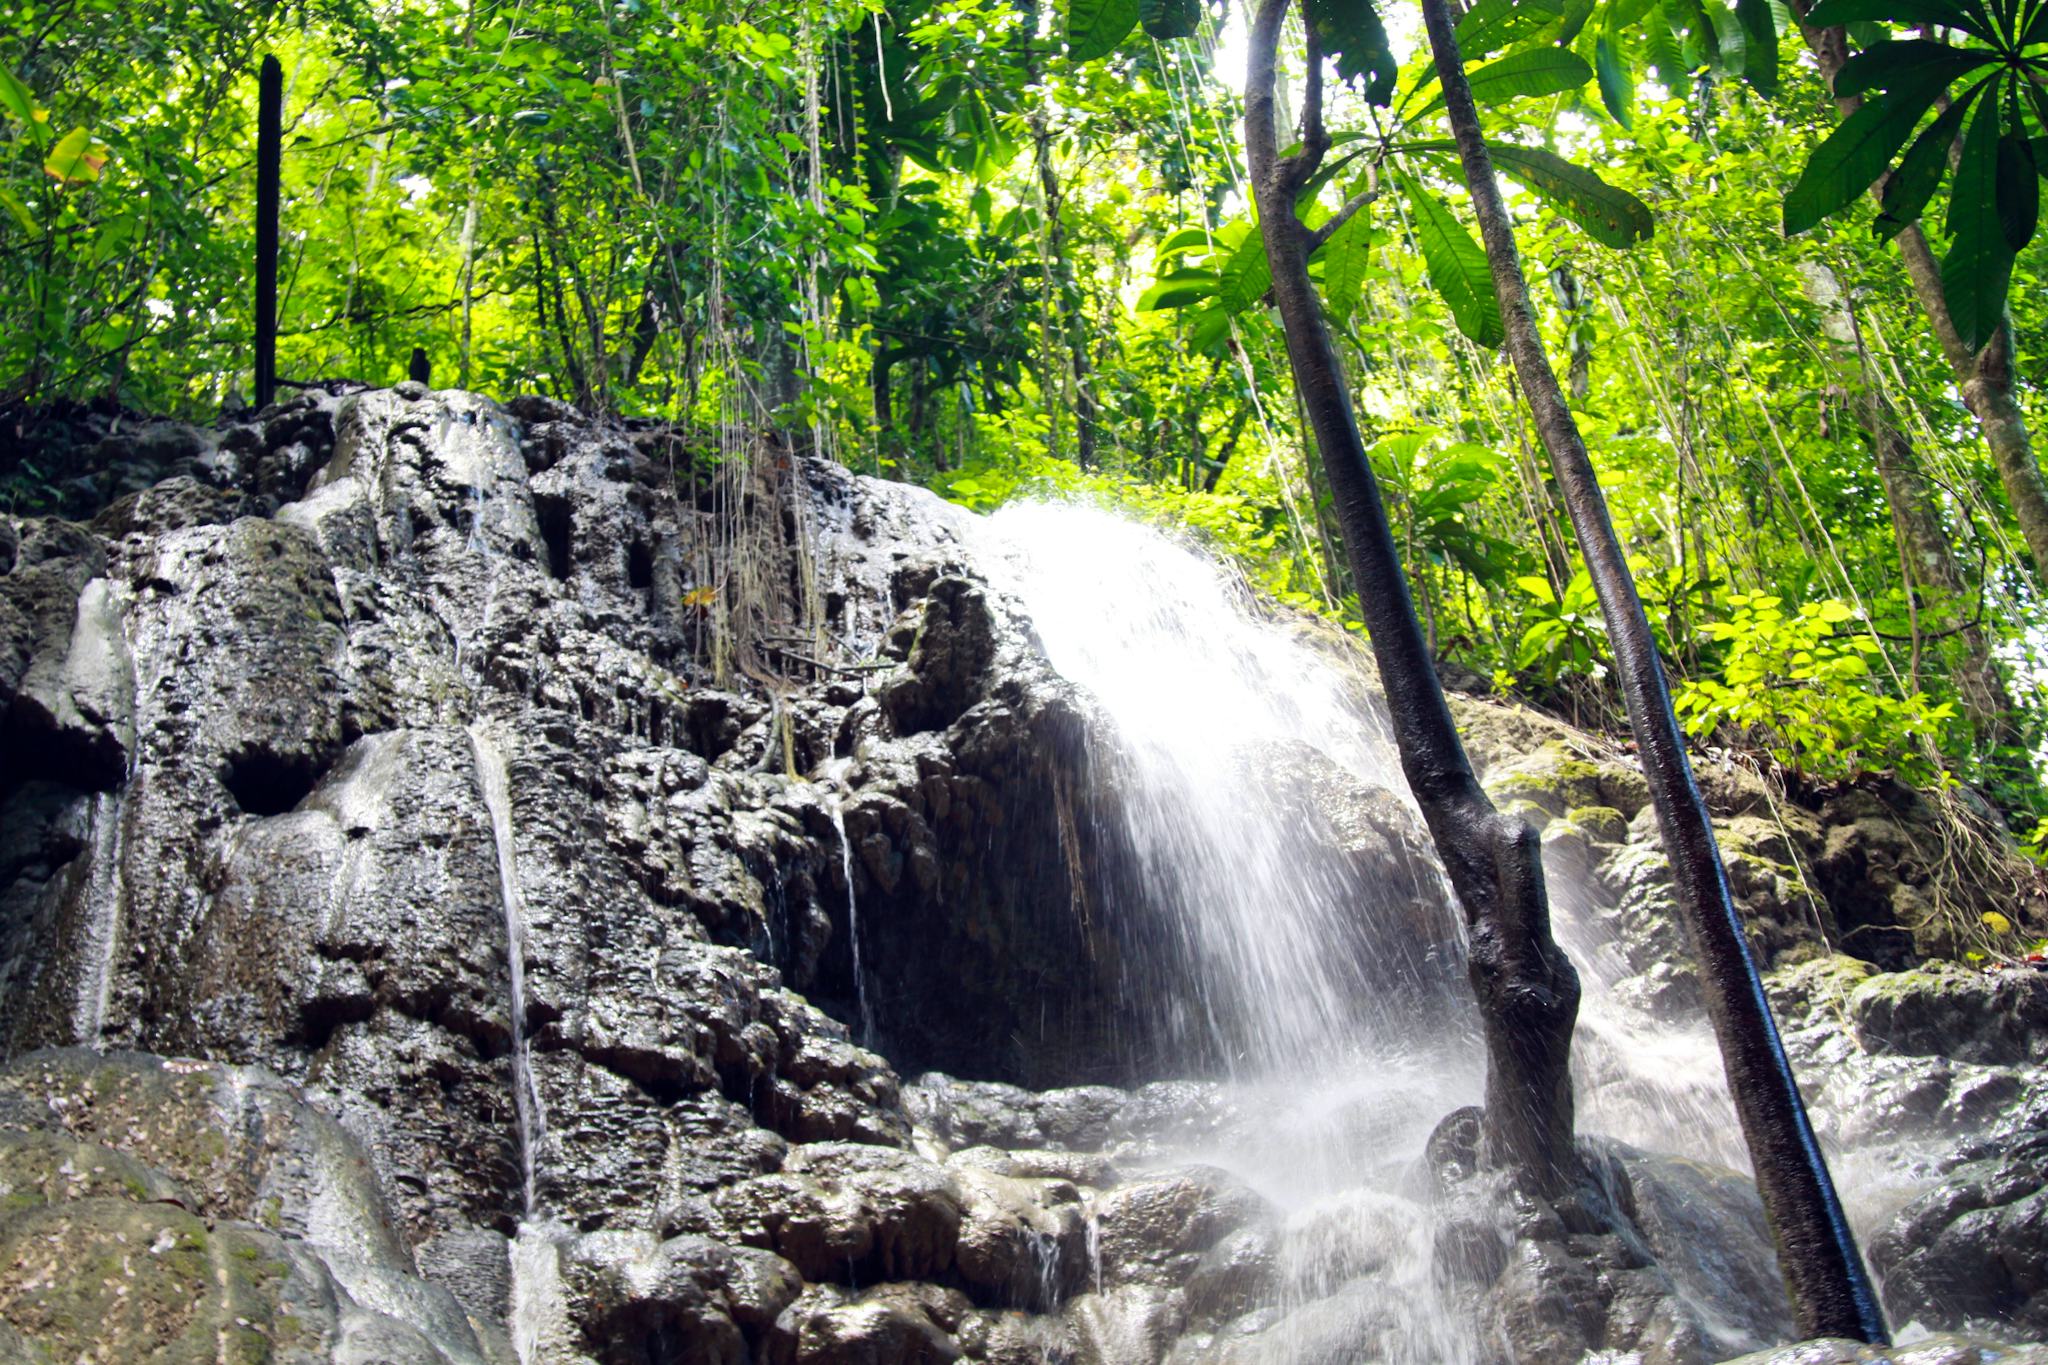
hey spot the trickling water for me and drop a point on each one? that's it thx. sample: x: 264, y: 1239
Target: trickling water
x: 493, y: 780
x: 103, y: 893
x: 834, y: 774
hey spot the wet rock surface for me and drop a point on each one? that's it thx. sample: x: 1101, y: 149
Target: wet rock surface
x: 319, y: 729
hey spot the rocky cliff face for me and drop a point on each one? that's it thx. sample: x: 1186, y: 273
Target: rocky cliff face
x: 468, y: 893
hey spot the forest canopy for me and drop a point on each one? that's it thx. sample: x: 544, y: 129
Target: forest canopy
x: 1786, y: 257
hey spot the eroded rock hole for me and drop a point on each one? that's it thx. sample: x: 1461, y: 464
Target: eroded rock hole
x: 639, y: 565
x: 553, y: 514
x: 266, y: 783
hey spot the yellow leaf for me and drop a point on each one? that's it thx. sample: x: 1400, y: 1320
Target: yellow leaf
x: 701, y: 597
x: 76, y: 159
x: 1996, y: 923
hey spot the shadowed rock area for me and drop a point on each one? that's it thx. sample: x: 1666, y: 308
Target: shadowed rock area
x: 472, y: 884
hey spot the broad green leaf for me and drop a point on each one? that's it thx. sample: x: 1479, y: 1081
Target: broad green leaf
x: 1246, y: 275
x: 1610, y: 216
x: 15, y: 98
x: 1759, y: 44
x: 1660, y: 47
x: 1351, y: 34
x: 1617, y: 88
x: 1905, y: 13
x: 1880, y: 66
x: 1185, y: 240
x: 1178, y: 289
x: 1346, y: 257
x: 1492, y: 25
x: 20, y: 213
x: 1457, y: 267
x: 1978, y: 267
x: 1857, y: 152
x: 1096, y: 28
x: 1538, y: 71
x: 1169, y: 19
x: 1913, y: 180
x: 2018, y: 190
x: 75, y: 160
x: 1576, y: 13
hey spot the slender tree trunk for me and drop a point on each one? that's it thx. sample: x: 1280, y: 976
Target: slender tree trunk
x: 1831, y: 1293
x: 269, y: 167
x: 1073, y: 332
x: 1985, y: 377
x: 1528, y: 992
x: 1924, y: 546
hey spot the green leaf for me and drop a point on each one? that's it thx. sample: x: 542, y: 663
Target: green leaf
x: 1904, y: 13
x: 1537, y: 71
x: 1610, y: 216
x: 1346, y: 257
x: 15, y: 98
x: 1185, y: 240
x: 75, y: 160
x: 1457, y: 267
x: 1882, y: 65
x: 1170, y: 19
x: 1919, y: 171
x: 1759, y: 45
x: 1978, y: 267
x: 20, y: 213
x: 1492, y: 25
x: 1096, y: 28
x: 2018, y: 191
x: 1351, y: 34
x: 1246, y: 275
x: 1617, y: 88
x: 1660, y: 47
x: 1857, y: 152
x: 1178, y: 289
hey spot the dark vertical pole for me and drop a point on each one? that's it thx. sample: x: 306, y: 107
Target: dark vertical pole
x: 269, y: 161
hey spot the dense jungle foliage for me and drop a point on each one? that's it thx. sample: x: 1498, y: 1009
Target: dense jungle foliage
x: 997, y: 247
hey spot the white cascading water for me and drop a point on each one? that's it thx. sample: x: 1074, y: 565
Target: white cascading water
x: 103, y: 921
x: 1289, y: 947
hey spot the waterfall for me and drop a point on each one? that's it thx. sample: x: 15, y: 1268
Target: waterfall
x: 492, y: 780
x: 1331, y: 1002
x: 1294, y: 955
x: 1328, y: 991
x: 834, y: 774
x: 103, y: 892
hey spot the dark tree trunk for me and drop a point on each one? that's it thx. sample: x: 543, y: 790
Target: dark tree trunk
x: 269, y: 164
x: 1831, y: 1294
x: 1528, y: 992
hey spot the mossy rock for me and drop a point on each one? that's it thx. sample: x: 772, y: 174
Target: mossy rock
x: 1602, y: 824
x: 41, y: 1168
x: 1942, y: 1009
x: 1559, y: 780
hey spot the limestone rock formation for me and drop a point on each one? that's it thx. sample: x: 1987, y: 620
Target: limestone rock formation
x: 473, y: 882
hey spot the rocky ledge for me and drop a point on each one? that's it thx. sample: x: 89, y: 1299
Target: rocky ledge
x: 473, y: 882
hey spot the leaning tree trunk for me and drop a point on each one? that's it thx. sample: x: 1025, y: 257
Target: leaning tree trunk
x: 1985, y: 377
x: 1830, y: 1291
x: 1528, y: 991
